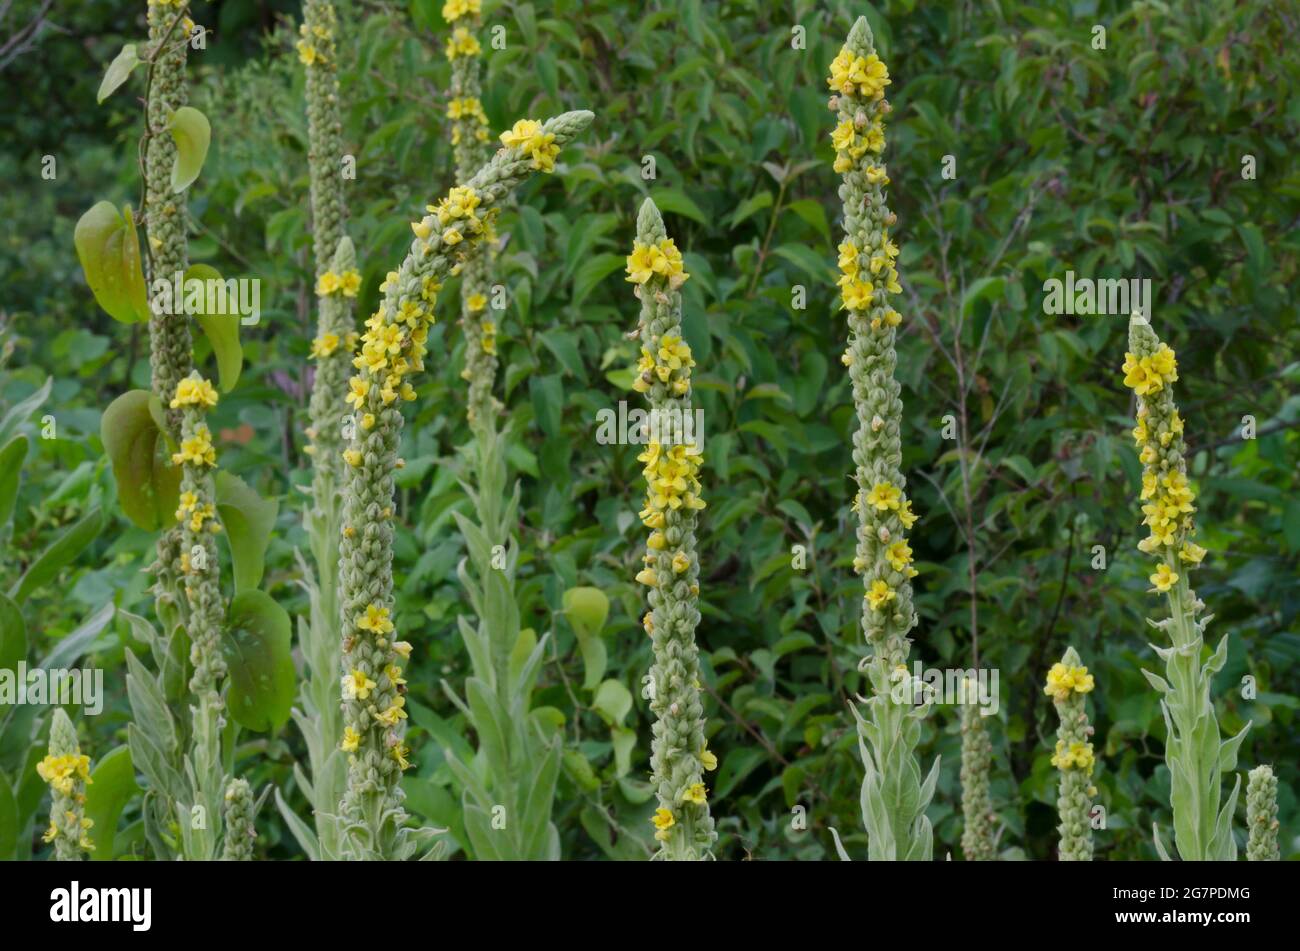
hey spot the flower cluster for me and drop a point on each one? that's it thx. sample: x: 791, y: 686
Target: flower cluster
x: 453, y: 10
x: 196, y: 448
x: 978, y: 837
x: 241, y: 832
x: 196, y: 514
x: 896, y: 823
x: 528, y: 136
x: 1068, y: 683
x: 680, y: 757
x: 347, y: 283
x: 462, y: 43
x: 470, y: 110
x: 393, y: 349
x: 661, y: 258
x: 316, y: 43
x: 1167, y: 497
x: 67, y: 771
x: 1063, y: 679
x: 1261, y: 816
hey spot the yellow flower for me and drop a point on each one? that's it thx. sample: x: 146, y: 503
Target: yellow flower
x: 856, y: 295
x: 696, y: 794
x: 402, y: 649
x: 663, y: 821
x: 375, y: 620
x: 647, y: 576
x: 324, y: 345
x: 906, y: 515
x: 452, y: 237
x: 393, y: 714
x: 462, y: 43
x: 194, y: 392
x: 328, y: 283
x: 476, y: 302
x: 1191, y: 553
x: 899, y: 554
x: 351, y: 740
x: 307, y: 54
x: 400, y: 752
x: 352, y: 457
x: 680, y: 562
x: 1164, y: 578
x: 879, y: 594
x: 357, y: 685
x: 641, y: 262
x: 527, y: 135
x: 884, y: 496
x: 196, y: 450
x: 1083, y: 682
x: 708, y: 760
x: 453, y: 10
x: 350, y: 283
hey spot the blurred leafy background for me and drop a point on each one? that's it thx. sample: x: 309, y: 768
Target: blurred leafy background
x: 1116, y: 162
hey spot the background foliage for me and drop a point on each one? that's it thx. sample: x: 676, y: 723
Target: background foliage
x: 1122, y: 162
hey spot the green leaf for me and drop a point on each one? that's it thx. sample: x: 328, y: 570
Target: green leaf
x: 13, y: 641
x: 8, y: 821
x: 812, y: 214
x: 586, y: 609
x: 192, y: 133
x: 750, y: 206
x: 815, y: 265
x: 548, y: 402
x: 248, y: 520
x: 112, y: 785
x: 118, y: 71
x: 677, y: 202
x: 624, y: 741
x: 256, y: 645
x: 221, y: 327
x: 23, y: 409
x: 985, y: 288
x: 11, y: 465
x: 612, y: 702
x: 592, y: 272
x: 148, y: 485
x: 62, y: 552
x: 109, y: 251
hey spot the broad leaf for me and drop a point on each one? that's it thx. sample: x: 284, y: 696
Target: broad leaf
x: 119, y: 71
x: 256, y: 644
x: 148, y: 485
x: 112, y: 785
x: 109, y: 252
x: 248, y: 520
x: 62, y: 552
x: 192, y: 133
x: 221, y: 326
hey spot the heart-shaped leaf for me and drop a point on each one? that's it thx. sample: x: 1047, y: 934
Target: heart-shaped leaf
x: 192, y: 133
x: 221, y: 325
x: 148, y: 485
x: 109, y: 251
x: 586, y: 609
x: 256, y: 645
x: 118, y: 71
x: 248, y: 520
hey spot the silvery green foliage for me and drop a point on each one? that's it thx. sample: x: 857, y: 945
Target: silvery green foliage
x: 241, y: 834
x: 1194, y: 751
x: 673, y: 689
x: 371, y: 809
x: 894, y: 793
x: 1075, y: 791
x: 509, y: 788
x: 977, y: 837
x: 1261, y: 815
x: 68, y: 827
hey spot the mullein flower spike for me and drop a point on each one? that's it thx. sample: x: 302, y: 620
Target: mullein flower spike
x: 241, y: 833
x: 1261, y: 815
x: 977, y: 837
x: 1067, y: 684
x: 166, y: 214
x: 1202, y: 831
x: 679, y: 753
x: 393, y: 349
x: 67, y: 770
x: 469, y: 140
x: 894, y: 796
x: 337, y: 279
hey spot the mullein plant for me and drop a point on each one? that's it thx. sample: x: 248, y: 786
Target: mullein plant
x: 337, y: 283
x: 671, y: 570
x: 241, y: 833
x: 1194, y: 751
x: 1068, y: 684
x: 67, y: 770
x: 978, y: 840
x: 894, y: 794
x: 517, y: 768
x: 393, y: 349
x: 1261, y: 815
x: 469, y: 140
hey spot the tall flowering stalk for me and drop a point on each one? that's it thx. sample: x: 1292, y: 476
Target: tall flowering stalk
x: 671, y: 572
x: 977, y: 837
x: 894, y: 797
x: 1194, y: 752
x: 469, y: 138
x: 1068, y: 683
x: 67, y: 770
x: 197, y: 517
x: 337, y: 283
x: 393, y: 349
x: 1261, y: 815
